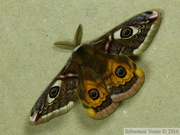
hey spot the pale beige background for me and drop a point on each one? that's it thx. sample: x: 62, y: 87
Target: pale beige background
x: 29, y: 62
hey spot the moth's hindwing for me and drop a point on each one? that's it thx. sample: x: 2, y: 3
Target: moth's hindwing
x: 131, y: 37
x: 58, y: 98
x: 124, y: 78
x: 115, y: 78
x: 92, y: 92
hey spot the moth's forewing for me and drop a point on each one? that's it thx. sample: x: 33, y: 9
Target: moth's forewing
x: 58, y: 98
x: 132, y: 36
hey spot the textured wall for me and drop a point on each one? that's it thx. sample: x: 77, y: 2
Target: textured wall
x: 29, y: 62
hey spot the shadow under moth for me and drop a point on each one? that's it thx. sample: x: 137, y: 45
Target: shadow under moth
x: 100, y: 73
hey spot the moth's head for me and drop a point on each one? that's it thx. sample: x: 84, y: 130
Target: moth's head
x: 83, y: 53
x: 84, y: 49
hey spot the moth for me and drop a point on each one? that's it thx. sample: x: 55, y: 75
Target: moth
x: 100, y: 73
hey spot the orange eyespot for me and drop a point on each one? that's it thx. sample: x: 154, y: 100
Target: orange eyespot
x: 120, y: 72
x: 54, y: 92
x: 94, y: 94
